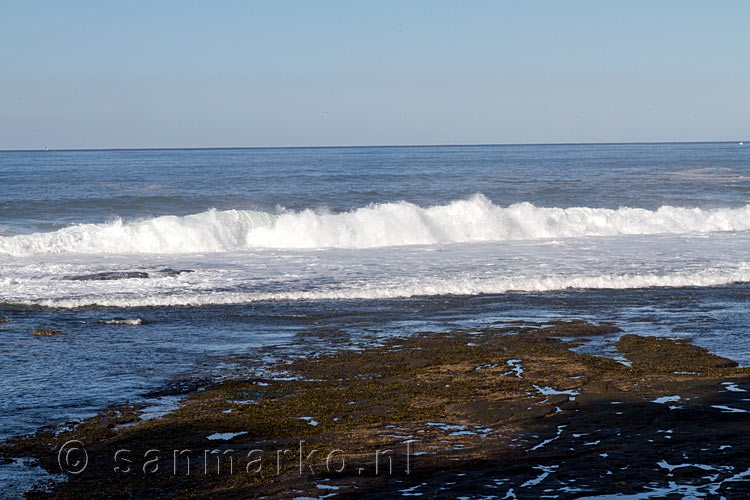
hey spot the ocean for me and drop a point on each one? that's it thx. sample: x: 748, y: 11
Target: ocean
x: 161, y: 266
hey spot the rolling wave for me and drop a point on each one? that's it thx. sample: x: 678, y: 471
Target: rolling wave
x: 390, y: 224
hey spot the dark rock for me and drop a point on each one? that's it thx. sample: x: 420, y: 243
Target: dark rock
x: 600, y: 387
x: 108, y: 275
x: 689, y: 472
x: 177, y: 388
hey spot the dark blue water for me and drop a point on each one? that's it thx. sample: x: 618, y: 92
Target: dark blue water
x: 41, y: 190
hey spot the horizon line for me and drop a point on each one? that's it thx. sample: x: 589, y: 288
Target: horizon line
x: 199, y: 148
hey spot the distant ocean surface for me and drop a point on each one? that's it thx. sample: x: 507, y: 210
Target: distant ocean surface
x: 159, y: 264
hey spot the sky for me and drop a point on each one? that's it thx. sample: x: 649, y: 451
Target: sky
x: 93, y: 74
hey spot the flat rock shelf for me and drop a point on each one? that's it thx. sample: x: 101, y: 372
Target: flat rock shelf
x: 496, y: 413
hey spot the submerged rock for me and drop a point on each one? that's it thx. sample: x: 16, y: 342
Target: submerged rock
x: 47, y: 332
x: 577, y: 328
x: 108, y: 275
x: 124, y: 275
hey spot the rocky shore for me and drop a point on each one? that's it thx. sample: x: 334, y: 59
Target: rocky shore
x: 504, y: 413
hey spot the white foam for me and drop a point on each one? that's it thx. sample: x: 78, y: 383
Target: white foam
x: 397, y: 289
x: 560, y: 429
x: 124, y: 321
x: 309, y: 420
x: 666, y: 399
x: 390, y: 224
x: 732, y: 387
x: 224, y: 436
x: 546, y: 471
x: 549, y: 391
x: 729, y: 409
x: 254, y: 275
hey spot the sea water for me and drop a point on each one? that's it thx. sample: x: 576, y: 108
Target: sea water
x: 159, y: 265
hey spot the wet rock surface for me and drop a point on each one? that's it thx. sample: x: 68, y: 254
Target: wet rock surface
x: 108, y: 276
x: 654, y: 354
x: 506, y: 413
x: 124, y: 275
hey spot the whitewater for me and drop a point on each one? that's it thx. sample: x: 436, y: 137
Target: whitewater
x: 428, y: 287
x: 476, y: 219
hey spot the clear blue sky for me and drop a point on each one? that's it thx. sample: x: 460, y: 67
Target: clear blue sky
x: 100, y: 74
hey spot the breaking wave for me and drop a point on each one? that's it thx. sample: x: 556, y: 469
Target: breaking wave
x: 389, y: 224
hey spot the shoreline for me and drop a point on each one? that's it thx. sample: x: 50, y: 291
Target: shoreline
x: 511, y: 412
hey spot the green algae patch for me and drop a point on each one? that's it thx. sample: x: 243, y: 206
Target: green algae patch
x: 662, y: 355
x: 46, y: 332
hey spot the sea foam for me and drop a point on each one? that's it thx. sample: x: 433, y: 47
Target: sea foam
x: 475, y: 219
x: 406, y: 288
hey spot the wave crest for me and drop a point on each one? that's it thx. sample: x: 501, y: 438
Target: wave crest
x: 476, y: 219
